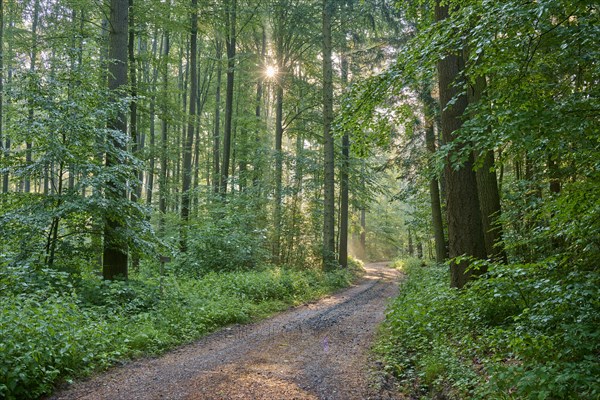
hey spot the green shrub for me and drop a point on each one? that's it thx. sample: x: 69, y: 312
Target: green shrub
x: 54, y: 329
x: 525, y: 331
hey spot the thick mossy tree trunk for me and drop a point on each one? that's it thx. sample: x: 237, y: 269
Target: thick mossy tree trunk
x: 115, y: 252
x: 329, y: 258
x: 465, y: 231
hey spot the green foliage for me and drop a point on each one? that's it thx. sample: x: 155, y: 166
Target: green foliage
x: 52, y: 329
x: 525, y: 331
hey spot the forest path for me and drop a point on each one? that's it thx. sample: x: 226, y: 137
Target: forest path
x: 315, y: 351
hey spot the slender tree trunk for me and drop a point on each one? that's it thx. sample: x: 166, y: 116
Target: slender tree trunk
x: 344, y: 184
x: 258, y: 112
x: 189, y: 139
x: 216, y: 180
x: 133, y: 92
x: 230, y: 44
x: 115, y: 253
x: 434, y: 188
x: 436, y: 206
x: 152, y: 116
x: 163, y: 189
x: 329, y: 258
x: 278, y: 171
x: 465, y: 232
x: 33, y: 58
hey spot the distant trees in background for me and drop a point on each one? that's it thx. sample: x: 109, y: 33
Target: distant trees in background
x: 143, y: 127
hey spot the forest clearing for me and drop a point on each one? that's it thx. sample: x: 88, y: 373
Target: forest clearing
x: 174, y: 173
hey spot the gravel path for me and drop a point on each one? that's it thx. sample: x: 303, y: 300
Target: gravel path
x: 314, y: 351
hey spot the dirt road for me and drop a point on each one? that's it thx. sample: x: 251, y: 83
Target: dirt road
x: 315, y: 351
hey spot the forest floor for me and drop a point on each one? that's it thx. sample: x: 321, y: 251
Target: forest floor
x: 318, y: 350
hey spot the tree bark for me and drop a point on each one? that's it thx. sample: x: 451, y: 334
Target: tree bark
x: 230, y: 44
x: 33, y: 58
x: 436, y: 205
x: 329, y: 259
x: 115, y: 253
x: 217, y: 130
x: 437, y: 220
x: 189, y: 138
x: 465, y: 232
x: 152, y: 112
x: 163, y: 189
x: 487, y: 189
x: 344, y: 183
x: 278, y: 169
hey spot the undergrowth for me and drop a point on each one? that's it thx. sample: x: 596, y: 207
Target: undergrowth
x: 526, y: 331
x: 54, y: 329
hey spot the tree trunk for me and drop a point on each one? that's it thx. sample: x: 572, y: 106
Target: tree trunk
x: 189, y: 138
x: 434, y: 193
x: 487, y: 188
x: 217, y: 132
x: 256, y: 173
x: 163, y: 190
x: 115, y: 253
x: 344, y: 170
x: 465, y: 232
x: 278, y: 171
x: 152, y: 112
x: 33, y: 55
x: 230, y: 44
x: 329, y: 259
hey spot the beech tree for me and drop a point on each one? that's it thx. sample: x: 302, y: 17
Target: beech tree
x: 328, y: 144
x: 115, y: 250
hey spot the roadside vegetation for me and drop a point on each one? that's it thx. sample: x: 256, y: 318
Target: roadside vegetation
x: 527, y: 331
x: 54, y: 328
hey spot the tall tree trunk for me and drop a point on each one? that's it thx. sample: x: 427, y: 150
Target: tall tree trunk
x: 487, y: 188
x: 189, y: 139
x: 133, y: 92
x: 133, y: 115
x: 344, y: 184
x: 115, y: 253
x: 434, y: 187
x: 465, y: 232
x: 216, y: 180
x: 278, y: 171
x: 164, y: 135
x: 329, y: 258
x: 230, y: 44
x: 152, y: 112
x: 258, y: 111
x: 33, y: 58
